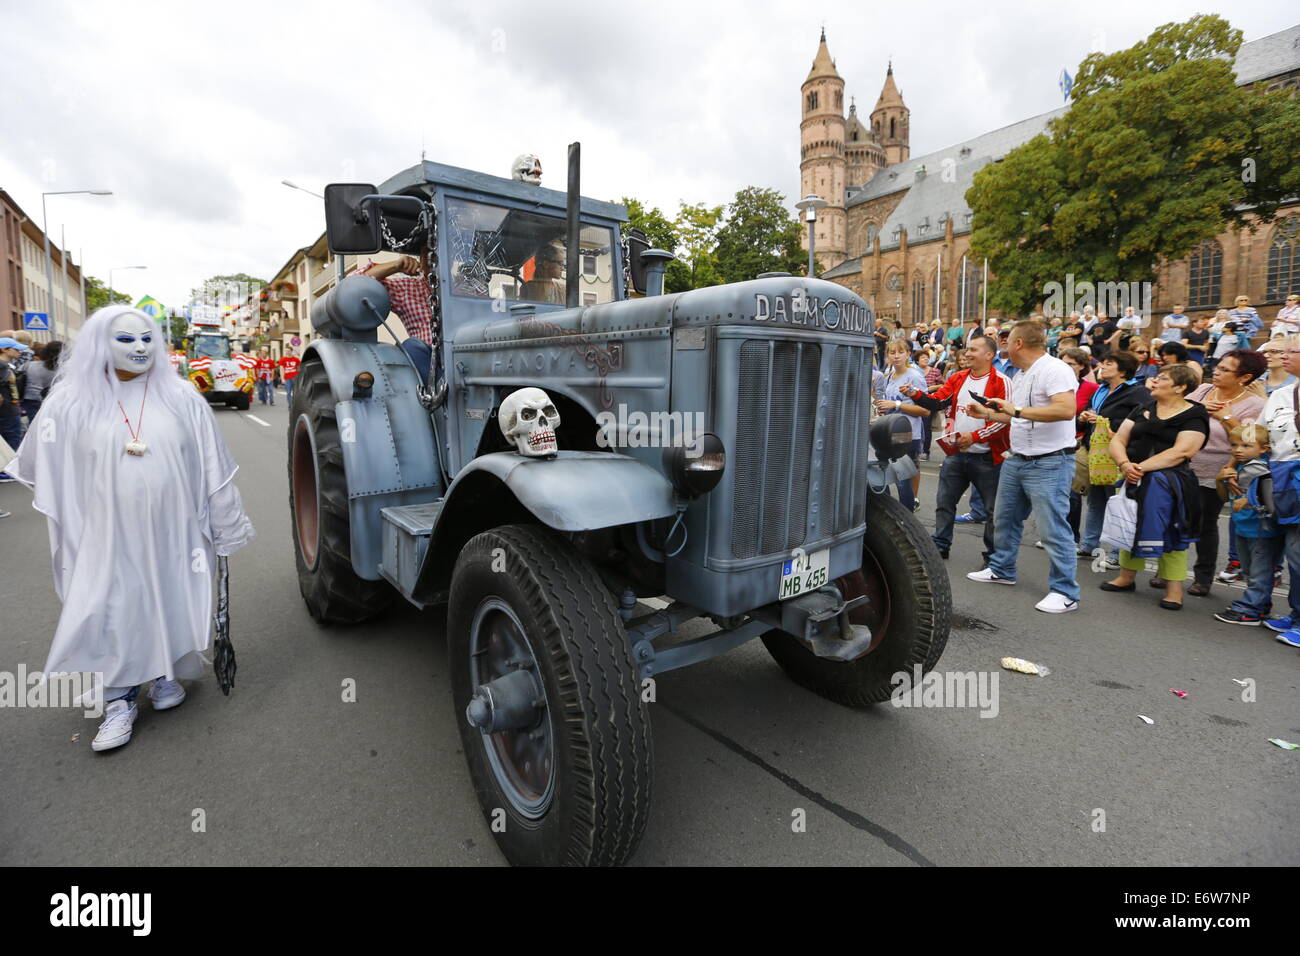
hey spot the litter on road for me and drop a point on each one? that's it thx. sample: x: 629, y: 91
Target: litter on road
x: 1145, y: 718
x: 1024, y: 667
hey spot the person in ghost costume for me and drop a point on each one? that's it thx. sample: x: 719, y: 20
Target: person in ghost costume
x: 136, y: 482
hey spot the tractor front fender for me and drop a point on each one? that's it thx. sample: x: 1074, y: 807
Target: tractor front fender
x: 577, y: 490
x: 574, y: 491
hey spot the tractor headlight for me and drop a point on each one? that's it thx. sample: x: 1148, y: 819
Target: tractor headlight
x: 891, y: 436
x: 696, y: 469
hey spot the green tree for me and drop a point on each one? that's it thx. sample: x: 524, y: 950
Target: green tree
x: 97, y: 295
x: 239, y: 285
x: 696, y: 265
x: 657, y: 227
x: 758, y: 236
x: 1159, y: 150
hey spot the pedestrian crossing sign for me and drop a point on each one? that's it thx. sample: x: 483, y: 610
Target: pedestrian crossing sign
x: 36, y: 321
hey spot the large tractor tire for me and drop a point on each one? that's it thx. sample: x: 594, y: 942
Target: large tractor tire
x: 909, y: 612
x: 567, y: 779
x: 318, y: 510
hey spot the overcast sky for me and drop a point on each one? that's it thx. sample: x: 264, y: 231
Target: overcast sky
x: 193, y: 113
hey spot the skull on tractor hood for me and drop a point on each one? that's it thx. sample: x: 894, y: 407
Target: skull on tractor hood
x: 529, y: 419
x: 527, y: 168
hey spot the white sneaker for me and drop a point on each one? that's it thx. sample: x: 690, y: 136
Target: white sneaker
x: 119, y: 717
x: 165, y: 694
x: 985, y: 576
x: 1039, y: 544
x: 1057, y: 604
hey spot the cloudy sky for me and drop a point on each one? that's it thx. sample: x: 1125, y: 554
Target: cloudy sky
x: 193, y: 114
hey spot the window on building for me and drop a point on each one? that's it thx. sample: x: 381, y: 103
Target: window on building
x: 1205, y: 275
x: 891, y: 128
x: 1284, y: 262
x: 589, y: 265
x: 588, y: 298
x: 839, y: 100
x: 918, y: 299
x: 969, y: 304
x: 812, y: 101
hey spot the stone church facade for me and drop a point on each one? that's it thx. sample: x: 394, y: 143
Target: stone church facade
x: 897, y: 231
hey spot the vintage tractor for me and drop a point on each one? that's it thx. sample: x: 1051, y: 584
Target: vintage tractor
x: 579, y: 441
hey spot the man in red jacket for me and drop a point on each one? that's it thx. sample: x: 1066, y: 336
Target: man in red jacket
x: 981, y: 445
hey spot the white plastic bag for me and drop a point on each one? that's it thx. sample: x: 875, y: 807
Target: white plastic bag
x: 1120, y: 525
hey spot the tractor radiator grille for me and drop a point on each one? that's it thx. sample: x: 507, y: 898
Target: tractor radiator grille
x: 776, y: 461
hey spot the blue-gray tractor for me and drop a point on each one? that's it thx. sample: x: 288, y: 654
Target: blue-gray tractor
x: 711, y: 454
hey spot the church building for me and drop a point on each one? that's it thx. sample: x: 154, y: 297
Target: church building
x: 897, y: 227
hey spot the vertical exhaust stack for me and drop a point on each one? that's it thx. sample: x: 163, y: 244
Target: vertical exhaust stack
x: 573, y: 222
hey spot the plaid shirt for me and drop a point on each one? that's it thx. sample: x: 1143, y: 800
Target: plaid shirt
x: 410, y: 300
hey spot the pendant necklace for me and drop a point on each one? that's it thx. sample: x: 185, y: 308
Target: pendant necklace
x: 135, y: 446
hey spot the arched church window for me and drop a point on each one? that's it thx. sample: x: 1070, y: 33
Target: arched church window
x: 1205, y: 274
x: 839, y: 100
x: 918, y: 299
x: 1284, y: 261
x: 891, y: 128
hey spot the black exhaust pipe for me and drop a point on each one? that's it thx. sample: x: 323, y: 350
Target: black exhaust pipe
x: 573, y: 222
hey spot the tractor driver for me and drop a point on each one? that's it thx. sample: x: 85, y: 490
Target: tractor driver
x: 547, y: 284
x: 409, y: 294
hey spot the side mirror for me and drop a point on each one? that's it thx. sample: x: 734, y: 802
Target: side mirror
x: 637, y: 243
x: 350, y: 228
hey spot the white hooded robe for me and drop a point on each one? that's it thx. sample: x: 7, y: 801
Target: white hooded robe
x: 134, y: 539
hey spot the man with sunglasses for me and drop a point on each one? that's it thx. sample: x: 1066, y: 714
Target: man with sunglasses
x: 1282, y: 417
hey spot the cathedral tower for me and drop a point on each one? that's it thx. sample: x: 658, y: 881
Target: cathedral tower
x: 889, y: 121
x: 822, y: 163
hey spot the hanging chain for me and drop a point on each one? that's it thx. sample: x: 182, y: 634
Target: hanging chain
x: 627, y: 264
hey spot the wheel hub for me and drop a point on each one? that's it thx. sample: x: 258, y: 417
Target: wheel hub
x: 509, y: 708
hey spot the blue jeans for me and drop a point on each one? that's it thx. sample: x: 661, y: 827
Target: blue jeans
x: 11, y: 430
x: 904, y: 487
x: 265, y: 392
x: 288, y: 391
x: 1258, y: 556
x: 1040, y: 486
x: 978, y: 510
x: 957, y: 473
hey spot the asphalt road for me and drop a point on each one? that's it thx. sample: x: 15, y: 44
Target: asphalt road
x: 285, y: 772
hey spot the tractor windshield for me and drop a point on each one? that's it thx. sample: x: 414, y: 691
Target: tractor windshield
x: 211, y: 346
x: 520, y: 256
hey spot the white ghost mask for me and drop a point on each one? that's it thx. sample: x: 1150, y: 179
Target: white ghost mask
x: 131, y: 343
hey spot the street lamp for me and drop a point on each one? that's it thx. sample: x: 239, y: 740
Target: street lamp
x: 810, y: 204
x: 49, y: 262
x: 110, y: 278
x: 300, y: 189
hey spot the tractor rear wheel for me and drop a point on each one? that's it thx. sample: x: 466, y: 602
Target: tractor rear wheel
x: 559, y: 746
x: 909, y: 612
x: 318, y: 510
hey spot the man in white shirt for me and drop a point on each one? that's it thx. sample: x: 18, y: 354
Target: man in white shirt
x: 1037, y: 474
x: 1288, y: 317
x: 1281, y: 415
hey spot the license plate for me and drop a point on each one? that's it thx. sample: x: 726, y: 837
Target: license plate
x: 804, y: 573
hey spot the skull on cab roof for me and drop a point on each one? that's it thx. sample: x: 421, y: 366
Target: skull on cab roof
x: 529, y: 419
x: 527, y: 168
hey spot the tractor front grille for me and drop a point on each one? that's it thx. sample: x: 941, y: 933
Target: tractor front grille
x: 797, y: 475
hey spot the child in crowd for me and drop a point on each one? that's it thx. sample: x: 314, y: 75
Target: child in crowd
x: 1246, y: 483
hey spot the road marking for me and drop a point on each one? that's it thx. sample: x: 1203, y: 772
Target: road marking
x: 259, y: 421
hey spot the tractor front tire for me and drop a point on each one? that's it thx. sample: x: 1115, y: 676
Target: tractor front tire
x: 573, y: 786
x: 909, y: 612
x: 318, y: 510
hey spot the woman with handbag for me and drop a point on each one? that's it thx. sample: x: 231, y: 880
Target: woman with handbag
x: 1118, y: 395
x: 1153, y: 447
x: 1230, y: 401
